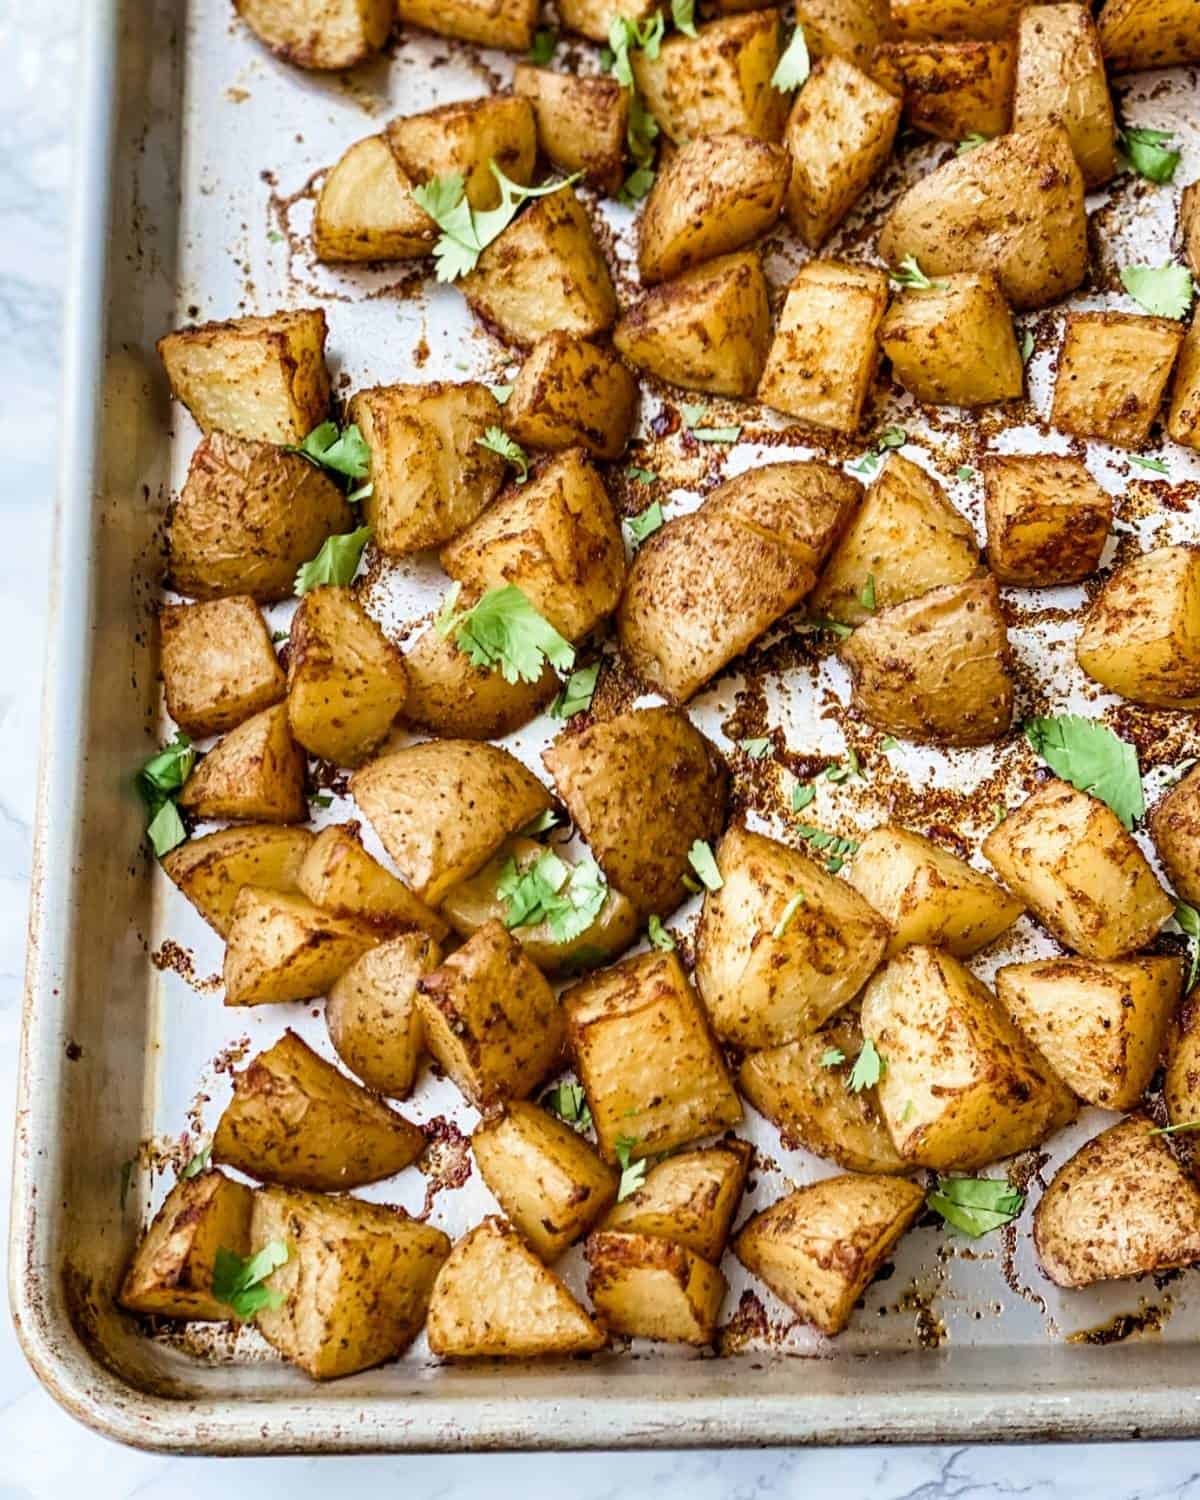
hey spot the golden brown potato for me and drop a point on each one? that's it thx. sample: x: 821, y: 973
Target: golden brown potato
x: 545, y: 1176
x: 905, y: 537
x: 443, y: 807
x: 852, y: 29
x: 295, y: 1120
x: 572, y: 393
x: 508, y: 24
x: 1067, y: 856
x: 690, y: 1198
x: 718, y: 80
x: 490, y: 1019
x: 171, y: 1273
x: 819, y: 1248
x: 953, y: 344
x: 642, y: 788
x: 464, y: 139
x: 1013, y: 206
x: 248, y: 516
x: 646, y: 1287
x: 706, y: 330
x: 961, y: 1087
x: 824, y: 354
x: 211, y: 870
x: 494, y: 1299
x: 1141, y: 637
x: 928, y: 895
x: 429, y: 475
x: 545, y: 272
x: 708, y: 584
x: 319, y: 34
x: 1047, y: 519
x: 258, y: 378
x: 936, y: 668
x: 782, y: 945
x: 1183, y: 417
x: 372, y: 1015
x: 1181, y: 1082
x: 1121, y: 1206
x: 1189, y: 225
x: 218, y: 664
x: 282, y: 947
x: 651, y: 1068
x: 339, y: 876
x: 1100, y: 1026
x: 955, y: 20
x: 366, y: 211
x: 951, y: 89
x: 447, y: 696
x: 254, y: 775
x: 1061, y: 80
x: 1136, y: 34
x: 711, y: 196
x: 581, y: 122
x: 1112, y: 372
x: 356, y: 1283
x: 1175, y: 829
x: 594, y: 18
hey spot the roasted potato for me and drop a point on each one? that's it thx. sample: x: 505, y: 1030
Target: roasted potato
x: 545, y: 1176
x: 936, y: 668
x: 494, y: 1299
x: 263, y: 379
x: 819, y: 1248
x: 953, y: 343
x: 448, y: 696
x: 171, y: 1273
x: 218, y: 664
x: 1047, y: 519
x: 1189, y: 225
x: 295, y: 1120
x: 1181, y: 1082
x: 572, y: 393
x: 1100, y: 1026
x: 642, y: 788
x: 929, y: 896
x: 254, y: 775
x: 955, y: 20
x: 321, y: 34
x: 1175, y: 829
x: 356, y: 1283
x: 690, y: 1198
x: 372, y: 1015
x: 1112, y: 372
x: 709, y: 583
x: 782, y: 944
x: 1121, y: 1206
x: 1061, y: 80
x: 429, y: 475
x: 282, y: 947
x: 824, y: 355
x: 852, y: 29
x: 1067, y: 856
x: 1013, y: 206
x: 546, y: 271
x: 1183, y: 417
x: 951, y: 89
x: 248, y: 516
x: 339, y: 876
x: 718, y: 80
x: 649, y: 1288
x: 490, y: 1018
x: 581, y: 122
x: 713, y: 195
x: 905, y: 537
x: 443, y: 807
x: 508, y: 24
x: 1141, y: 637
x: 960, y: 1085
x: 651, y: 1068
x: 464, y: 139
x: 594, y: 18
x: 707, y: 330
x: 1136, y: 34
x: 366, y: 211
x: 213, y: 869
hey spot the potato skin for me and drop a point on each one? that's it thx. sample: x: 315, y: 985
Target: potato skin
x: 1112, y: 372
x: 339, y: 876
x: 365, y: 210
x: 1136, y: 34
x: 593, y: 18
x: 324, y: 35
x: 1047, y: 519
x: 218, y: 664
x: 1175, y: 828
x: 955, y: 20
x: 954, y: 344
x: 449, y: 697
x: 852, y: 29
x: 690, y: 1198
x: 1141, y: 637
x: 1183, y: 417
x: 282, y: 947
x: 1189, y: 225
x: 171, y: 1272
x: 1181, y: 1082
x: 374, y: 1023
x: 646, y: 1287
x: 1061, y: 78
x: 951, y: 89
x: 255, y: 774
x: 507, y: 24
x: 572, y: 393
x: 581, y: 122
x: 211, y: 870
x: 464, y: 138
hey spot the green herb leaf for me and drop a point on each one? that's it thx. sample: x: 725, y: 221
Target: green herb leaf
x: 1155, y: 465
x: 911, y: 275
x: 576, y: 696
x: 832, y: 1057
x: 1027, y: 345
x: 166, y: 829
x: 891, y: 437
x: 906, y: 1113
x: 646, y: 524
x: 321, y: 799
x: 545, y: 40
x: 822, y: 626
x: 540, y: 824
x: 867, y: 466
x: 496, y: 440
x: 975, y: 1205
x: 659, y: 936
x: 834, y: 848
x: 501, y: 393
x: 868, y: 1068
x: 467, y: 232
x: 757, y: 749
x: 336, y: 562
x: 1165, y: 291
x: 238, y: 1282
x: 581, y: 902
x: 1093, y: 759
x: 693, y: 420
x: 867, y: 597
x: 569, y: 1103
x: 794, y: 66
x: 197, y: 1164
x: 567, y: 898
x: 1181, y: 1129
x: 1149, y: 152
x: 639, y: 182
x: 633, y: 1173
x: 701, y: 859
x: 642, y: 476
x: 1188, y: 919
x: 891, y: 743
x: 166, y: 772
x: 344, y: 453
x: 789, y: 911
x: 970, y: 142
x: 802, y: 794
x: 503, y: 630
x: 683, y: 13
x: 965, y: 471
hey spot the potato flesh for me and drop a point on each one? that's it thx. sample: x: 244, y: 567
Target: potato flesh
x: 955, y: 20
x: 581, y: 122
x: 594, y: 18
x: 282, y: 947
x: 951, y: 90
x: 320, y: 34
x: 171, y: 1273
x: 211, y: 870
x: 954, y: 344
x: 1141, y: 638
x: 718, y: 80
x: 255, y: 774
x: 1047, y: 519
x: 339, y: 876
x: 1061, y: 79
x: 372, y: 1015
x: 218, y: 664
x: 1137, y: 34
x: 690, y: 1198
x: 366, y: 211
x: 646, y: 1287
x: 1175, y: 829
x: 465, y: 139
x: 448, y: 696
x: 1112, y: 372
x: 572, y: 393
x: 1183, y: 418
x: 508, y: 24
x: 852, y: 29
x: 1189, y: 225
x: 1181, y: 1082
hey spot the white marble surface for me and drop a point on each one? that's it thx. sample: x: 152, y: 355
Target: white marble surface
x: 43, y: 1453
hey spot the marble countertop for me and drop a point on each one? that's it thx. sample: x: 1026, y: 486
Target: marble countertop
x: 43, y: 1453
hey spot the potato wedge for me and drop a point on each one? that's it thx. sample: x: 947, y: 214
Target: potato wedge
x: 1061, y: 80
x: 1189, y: 225
x: 366, y: 211
x: 327, y: 35
x: 690, y: 1198
x: 447, y: 696
x: 213, y: 869
x: 1112, y: 372
x: 339, y: 876
x: 1183, y: 417
x: 951, y: 90
x: 507, y: 24
x: 718, y: 80
x: 464, y: 139
x: 581, y: 122
x: 1137, y: 34
x: 955, y: 20
x: 372, y: 1015
x: 646, y: 1287
x: 254, y: 775
x: 1175, y: 828
x: 852, y: 29
x: 953, y: 344
x: 1141, y: 637
x: 1181, y: 1081
x: 282, y: 947
x: 572, y: 393
x: 1047, y: 519
x: 171, y: 1273
x: 218, y: 664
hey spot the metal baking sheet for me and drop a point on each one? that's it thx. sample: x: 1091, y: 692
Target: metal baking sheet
x: 199, y: 160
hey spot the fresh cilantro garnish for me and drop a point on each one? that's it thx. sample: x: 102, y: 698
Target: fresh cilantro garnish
x: 701, y: 859
x: 569, y: 1103
x: 891, y: 743
x: 820, y: 626
x: 892, y: 437
x: 500, y: 393
x: 911, y: 275
x: 467, y: 232
x: 1181, y: 1129
x: 659, y: 936
x: 802, y: 794
x: 906, y: 1112
x: 646, y: 523
x: 683, y: 13
x: 693, y: 420
x: 794, y: 65
x: 1155, y: 465
x: 197, y: 1164
x: 576, y: 695
x: 1093, y: 759
x: 160, y: 781
x: 567, y: 898
x: 496, y: 440
x: 1188, y: 919
x: 1149, y: 152
x: 867, y: 597
x: 975, y: 1205
x: 1027, y: 345
x: 1165, y: 291
x: 345, y: 453
x: 832, y: 1057
x: 834, y: 848
x: 545, y: 40
x: 970, y: 142
x: 637, y: 184
x: 642, y: 476
x: 624, y: 36
x: 633, y: 1173
x: 868, y: 1068
x: 868, y: 465
x: 321, y: 799
x: 540, y: 824
x: 279, y: 635
x: 789, y: 911
x: 851, y: 766
x: 504, y: 630
x: 238, y: 1282
x: 336, y: 562
x: 757, y: 749
x: 965, y: 471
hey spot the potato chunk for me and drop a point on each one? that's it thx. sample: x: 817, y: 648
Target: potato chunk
x: 690, y: 1198
x: 1141, y: 637
x: 852, y: 29
x: 322, y: 34
x: 642, y: 788
x: 1181, y: 1082
x: 771, y: 967
x: 819, y: 1248
x: 594, y: 18
x: 254, y: 775
x: 218, y: 664
x: 905, y: 537
x: 508, y: 24
x: 213, y: 869
x: 171, y: 1273
x: 1175, y: 828
x: 707, y: 330
x: 646, y: 1287
x: 372, y: 1015
x: 255, y: 378
x: 295, y: 1120
x: 1137, y: 34
x: 366, y: 211
x: 953, y: 343
x: 1061, y: 80
x: 429, y: 475
x: 1067, y: 856
x: 448, y: 696
x: 651, y: 1068
x: 1112, y: 372
x: 339, y: 876
x: 1047, y: 519
x: 1120, y: 1207
x: 718, y: 80
x: 282, y: 947
x: 955, y: 20
x: 494, y: 1299
x: 1189, y: 225
x: 545, y: 1176
x: 572, y: 393
x: 1100, y: 1026
x: 464, y: 139
x: 708, y: 584
x: 936, y: 668
x: 951, y: 89
x: 1183, y: 418
x: 356, y: 1283
x: 581, y: 122
x: 490, y: 1018
x: 1013, y: 206
x: 824, y: 354
x: 961, y: 1086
